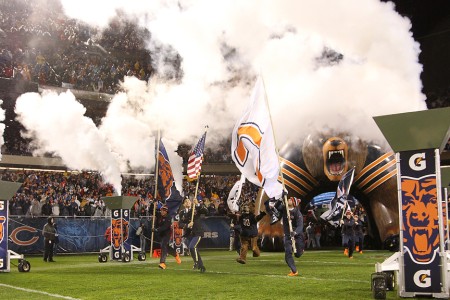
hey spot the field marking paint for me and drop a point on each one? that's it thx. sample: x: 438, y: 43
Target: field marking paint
x: 37, y: 292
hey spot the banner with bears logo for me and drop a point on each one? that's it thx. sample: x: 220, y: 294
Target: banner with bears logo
x: 419, y: 218
x: 120, y: 219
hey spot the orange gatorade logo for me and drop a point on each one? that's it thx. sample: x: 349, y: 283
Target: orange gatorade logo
x: 119, y: 232
x: 420, y: 218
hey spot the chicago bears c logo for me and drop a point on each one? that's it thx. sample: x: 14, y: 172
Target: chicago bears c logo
x: 420, y: 217
x: 249, y: 136
x: 119, y: 229
x: 24, y: 236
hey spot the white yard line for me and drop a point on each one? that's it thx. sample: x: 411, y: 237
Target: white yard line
x: 37, y: 292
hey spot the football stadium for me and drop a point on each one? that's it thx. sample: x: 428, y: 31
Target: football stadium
x: 292, y: 149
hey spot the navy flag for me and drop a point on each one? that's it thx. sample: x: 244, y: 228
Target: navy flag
x: 166, y: 182
x: 341, y: 200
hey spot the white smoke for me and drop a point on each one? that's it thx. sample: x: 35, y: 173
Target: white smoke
x: 223, y: 45
x: 283, y: 41
x: 57, y: 124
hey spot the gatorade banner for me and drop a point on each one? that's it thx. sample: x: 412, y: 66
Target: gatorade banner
x: 3, y: 235
x: 420, y: 221
x: 176, y: 241
x: 120, y: 219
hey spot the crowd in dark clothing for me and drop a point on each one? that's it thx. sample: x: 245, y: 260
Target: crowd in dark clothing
x: 74, y: 194
x: 46, y: 193
x: 54, y: 50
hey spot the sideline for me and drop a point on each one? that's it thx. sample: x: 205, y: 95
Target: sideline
x: 37, y: 292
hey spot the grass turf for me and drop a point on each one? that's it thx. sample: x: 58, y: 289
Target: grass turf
x: 326, y: 274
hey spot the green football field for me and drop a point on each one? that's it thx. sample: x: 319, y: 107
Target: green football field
x: 323, y: 274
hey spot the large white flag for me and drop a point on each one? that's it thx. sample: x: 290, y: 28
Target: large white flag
x: 253, y: 146
x: 234, y: 195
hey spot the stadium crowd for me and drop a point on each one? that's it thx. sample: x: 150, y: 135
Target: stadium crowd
x: 45, y: 193
x: 52, y: 49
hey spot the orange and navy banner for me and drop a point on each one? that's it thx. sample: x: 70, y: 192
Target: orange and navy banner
x: 3, y: 235
x: 177, y: 238
x: 420, y: 221
x: 120, y: 219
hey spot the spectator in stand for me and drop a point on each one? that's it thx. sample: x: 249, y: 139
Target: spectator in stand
x: 46, y: 209
x: 212, y: 209
x: 35, y: 209
x: 222, y: 209
x: 55, y: 208
x: 74, y: 206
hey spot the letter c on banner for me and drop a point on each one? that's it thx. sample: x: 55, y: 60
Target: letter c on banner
x: 422, y: 278
x: 16, y: 233
x: 417, y: 162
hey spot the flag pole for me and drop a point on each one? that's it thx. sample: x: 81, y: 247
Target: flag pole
x: 195, y: 197
x: 294, y: 248
x: 345, y: 208
x: 156, y: 190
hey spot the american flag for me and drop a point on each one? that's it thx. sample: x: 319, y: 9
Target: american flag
x: 196, y: 158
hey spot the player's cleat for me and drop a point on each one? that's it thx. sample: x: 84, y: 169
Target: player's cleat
x: 195, y: 266
x: 360, y: 252
x: 346, y: 251
x: 351, y: 257
x: 202, y: 269
x: 162, y: 266
x: 357, y: 248
x: 291, y: 274
x: 256, y: 254
x: 241, y: 261
x: 178, y: 259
